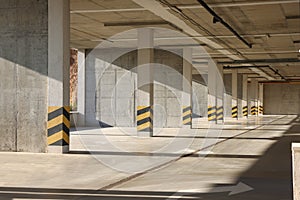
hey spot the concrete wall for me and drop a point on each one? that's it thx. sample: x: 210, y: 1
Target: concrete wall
x: 111, y: 89
x: 199, y: 96
x: 115, y: 101
x: 23, y: 75
x: 281, y: 99
x: 167, y: 89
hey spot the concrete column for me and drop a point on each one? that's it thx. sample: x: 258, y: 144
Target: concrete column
x: 220, y: 95
x: 23, y: 75
x: 227, y: 96
x: 81, y: 89
x: 260, y: 98
x: 234, y: 91
x: 296, y: 171
x: 212, y: 92
x: 58, y: 75
x: 187, y: 87
x: 253, y: 96
x: 245, y: 96
x: 145, y: 93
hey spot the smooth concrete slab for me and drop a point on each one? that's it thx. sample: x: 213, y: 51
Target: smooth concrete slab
x: 247, y: 163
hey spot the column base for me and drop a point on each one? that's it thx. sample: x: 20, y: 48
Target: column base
x: 58, y: 149
x: 145, y: 133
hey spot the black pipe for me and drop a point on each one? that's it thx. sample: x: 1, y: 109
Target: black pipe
x: 276, y: 71
x: 217, y: 18
x: 257, y: 66
x: 244, y: 67
x: 279, y: 60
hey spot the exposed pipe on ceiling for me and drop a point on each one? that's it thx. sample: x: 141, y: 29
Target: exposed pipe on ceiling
x: 254, y: 61
x: 217, y: 18
x: 276, y: 71
x: 244, y: 67
x: 293, y: 81
x: 188, y: 6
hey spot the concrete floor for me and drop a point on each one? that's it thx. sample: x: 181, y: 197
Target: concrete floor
x: 244, y: 159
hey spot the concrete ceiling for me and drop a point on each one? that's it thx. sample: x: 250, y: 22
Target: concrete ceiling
x: 271, y: 26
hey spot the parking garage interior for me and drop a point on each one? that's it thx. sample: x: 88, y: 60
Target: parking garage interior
x: 150, y: 99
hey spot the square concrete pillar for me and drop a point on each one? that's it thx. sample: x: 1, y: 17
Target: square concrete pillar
x: 212, y: 92
x: 253, y: 96
x: 187, y: 88
x: 296, y: 169
x: 260, y: 99
x: 145, y: 93
x: 245, y: 96
x: 234, y: 91
x: 58, y: 76
x: 220, y: 95
x: 81, y: 89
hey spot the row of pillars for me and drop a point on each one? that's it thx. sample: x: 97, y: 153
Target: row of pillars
x: 251, y: 101
x: 58, y: 125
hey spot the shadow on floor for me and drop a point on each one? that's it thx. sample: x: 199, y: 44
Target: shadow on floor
x: 10, y: 193
x: 271, y: 176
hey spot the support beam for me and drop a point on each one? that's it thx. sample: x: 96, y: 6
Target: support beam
x: 58, y: 76
x: 187, y: 88
x: 145, y: 94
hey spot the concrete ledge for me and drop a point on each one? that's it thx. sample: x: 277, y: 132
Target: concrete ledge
x: 296, y: 170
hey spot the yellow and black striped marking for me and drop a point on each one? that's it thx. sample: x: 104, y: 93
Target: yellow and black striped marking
x: 144, y: 118
x: 234, y: 112
x: 58, y: 125
x: 186, y: 115
x: 245, y: 111
x: 220, y: 113
x: 211, y: 111
x: 260, y: 109
x: 253, y: 110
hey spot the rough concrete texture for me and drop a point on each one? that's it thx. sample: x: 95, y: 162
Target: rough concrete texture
x: 227, y: 96
x: 96, y: 63
x: 168, y: 89
x: 240, y: 94
x: 111, y: 89
x: 199, y: 96
x: 296, y: 172
x: 23, y: 75
x: 281, y: 99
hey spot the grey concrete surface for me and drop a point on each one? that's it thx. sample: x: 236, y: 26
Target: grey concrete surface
x: 199, y: 96
x: 23, y: 75
x: 296, y: 165
x: 111, y: 89
x: 281, y: 98
x: 58, y: 84
x: 227, y: 96
x: 251, y: 160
